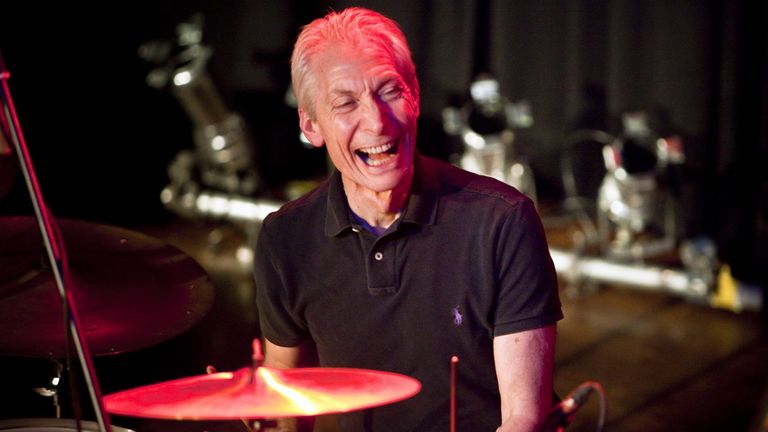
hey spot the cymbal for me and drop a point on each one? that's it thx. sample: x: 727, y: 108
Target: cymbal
x: 131, y: 291
x: 263, y: 392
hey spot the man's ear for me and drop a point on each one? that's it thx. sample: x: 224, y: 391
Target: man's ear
x: 309, y: 128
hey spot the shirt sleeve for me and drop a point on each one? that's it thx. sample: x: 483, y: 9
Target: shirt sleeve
x: 528, y: 296
x: 279, y: 323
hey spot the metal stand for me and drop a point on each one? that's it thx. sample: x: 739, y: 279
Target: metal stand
x: 52, y: 389
x: 54, y: 247
x: 485, y: 125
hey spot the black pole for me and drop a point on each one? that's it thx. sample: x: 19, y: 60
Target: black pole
x: 482, y: 42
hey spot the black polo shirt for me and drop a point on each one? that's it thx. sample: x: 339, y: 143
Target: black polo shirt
x: 466, y: 261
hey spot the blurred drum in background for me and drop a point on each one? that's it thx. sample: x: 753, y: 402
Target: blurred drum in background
x: 52, y: 425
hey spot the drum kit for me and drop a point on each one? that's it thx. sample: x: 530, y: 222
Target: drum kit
x: 121, y: 291
x: 134, y: 292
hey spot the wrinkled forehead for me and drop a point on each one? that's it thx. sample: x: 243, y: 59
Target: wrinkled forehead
x: 372, y: 55
x: 367, y: 62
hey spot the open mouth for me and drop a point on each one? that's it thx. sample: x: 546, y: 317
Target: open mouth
x: 375, y: 156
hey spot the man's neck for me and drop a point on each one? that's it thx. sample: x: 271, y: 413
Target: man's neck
x: 379, y: 209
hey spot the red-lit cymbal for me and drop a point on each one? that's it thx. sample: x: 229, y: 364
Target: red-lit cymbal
x: 131, y: 291
x: 264, y: 393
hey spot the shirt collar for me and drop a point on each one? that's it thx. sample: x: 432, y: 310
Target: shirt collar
x: 420, y: 209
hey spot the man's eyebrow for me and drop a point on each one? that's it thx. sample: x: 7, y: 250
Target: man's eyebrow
x: 388, y: 78
x: 340, y: 92
x: 394, y: 80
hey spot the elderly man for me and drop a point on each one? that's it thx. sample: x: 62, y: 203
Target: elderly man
x: 399, y: 262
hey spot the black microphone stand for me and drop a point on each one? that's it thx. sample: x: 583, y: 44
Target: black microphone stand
x: 54, y: 247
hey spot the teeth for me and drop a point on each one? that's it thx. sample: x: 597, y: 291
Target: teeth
x: 377, y: 149
x: 377, y: 162
x: 377, y: 155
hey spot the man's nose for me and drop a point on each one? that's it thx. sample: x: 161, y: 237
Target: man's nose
x: 376, y: 115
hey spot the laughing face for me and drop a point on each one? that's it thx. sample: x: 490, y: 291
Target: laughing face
x: 365, y: 114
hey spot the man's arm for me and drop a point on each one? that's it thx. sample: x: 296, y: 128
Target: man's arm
x: 280, y: 357
x: 524, y: 367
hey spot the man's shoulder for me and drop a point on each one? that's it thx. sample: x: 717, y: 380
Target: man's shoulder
x: 306, y: 206
x: 455, y: 179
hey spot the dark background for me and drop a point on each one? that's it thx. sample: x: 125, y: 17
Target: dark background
x: 101, y: 139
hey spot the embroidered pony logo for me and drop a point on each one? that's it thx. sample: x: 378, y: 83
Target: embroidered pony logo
x: 457, y: 317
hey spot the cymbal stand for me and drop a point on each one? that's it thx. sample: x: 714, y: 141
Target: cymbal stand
x: 257, y: 359
x: 54, y: 247
x: 52, y: 389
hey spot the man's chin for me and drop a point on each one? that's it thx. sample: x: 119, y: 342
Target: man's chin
x: 380, y: 182
x: 392, y: 180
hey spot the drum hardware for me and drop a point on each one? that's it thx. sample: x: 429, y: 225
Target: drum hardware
x: 52, y: 390
x: 714, y: 286
x: 635, y: 208
x: 223, y: 156
x: 700, y: 278
x: 90, y: 312
x: 634, y: 204
x: 223, y: 146
x: 581, y: 180
x: 246, y: 213
x: 52, y: 425
x: 636, y: 218
x: 55, y: 251
x: 671, y: 280
x: 217, y: 205
x: 218, y: 179
x: 485, y: 125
